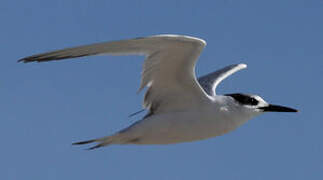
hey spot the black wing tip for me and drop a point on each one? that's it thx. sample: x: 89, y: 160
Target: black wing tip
x: 44, y: 58
x: 30, y: 59
x: 24, y: 60
x: 37, y: 59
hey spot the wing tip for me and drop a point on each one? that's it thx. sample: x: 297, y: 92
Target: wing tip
x: 242, y: 65
x: 29, y: 59
x: 183, y: 37
x: 237, y: 67
x: 24, y: 60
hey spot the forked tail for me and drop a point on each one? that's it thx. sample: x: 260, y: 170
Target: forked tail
x: 105, y: 141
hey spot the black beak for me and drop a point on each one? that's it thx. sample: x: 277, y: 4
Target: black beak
x: 276, y: 108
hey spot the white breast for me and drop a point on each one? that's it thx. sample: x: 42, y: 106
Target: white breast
x: 184, y: 126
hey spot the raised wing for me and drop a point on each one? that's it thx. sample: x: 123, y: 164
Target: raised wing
x: 210, y: 81
x: 168, y: 70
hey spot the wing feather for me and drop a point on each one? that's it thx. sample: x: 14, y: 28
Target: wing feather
x: 168, y: 70
x: 210, y: 81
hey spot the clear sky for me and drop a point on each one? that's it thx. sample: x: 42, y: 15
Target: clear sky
x: 47, y: 106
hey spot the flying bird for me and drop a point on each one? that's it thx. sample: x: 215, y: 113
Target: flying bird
x: 181, y: 108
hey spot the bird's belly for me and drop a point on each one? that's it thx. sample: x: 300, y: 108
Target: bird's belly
x: 179, y: 127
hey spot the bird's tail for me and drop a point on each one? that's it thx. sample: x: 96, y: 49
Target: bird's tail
x: 104, y: 141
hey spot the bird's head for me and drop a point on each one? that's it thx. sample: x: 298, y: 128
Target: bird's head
x: 254, y: 104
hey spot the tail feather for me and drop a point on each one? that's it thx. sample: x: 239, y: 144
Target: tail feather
x: 96, y: 146
x: 101, y: 142
x: 84, y: 142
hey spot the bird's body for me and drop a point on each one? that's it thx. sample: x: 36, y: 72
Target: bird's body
x: 181, y: 107
x: 212, y: 118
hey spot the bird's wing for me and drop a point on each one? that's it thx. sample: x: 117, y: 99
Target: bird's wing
x: 210, y: 81
x: 168, y: 70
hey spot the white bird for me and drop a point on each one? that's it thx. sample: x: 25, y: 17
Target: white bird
x: 180, y: 107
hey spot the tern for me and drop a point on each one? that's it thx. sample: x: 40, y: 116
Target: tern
x: 181, y: 108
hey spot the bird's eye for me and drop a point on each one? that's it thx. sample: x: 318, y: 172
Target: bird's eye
x: 253, y: 101
x: 244, y: 99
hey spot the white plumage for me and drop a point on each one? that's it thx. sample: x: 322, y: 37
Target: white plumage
x: 180, y: 110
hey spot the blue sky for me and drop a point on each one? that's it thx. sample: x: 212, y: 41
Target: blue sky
x: 47, y: 106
